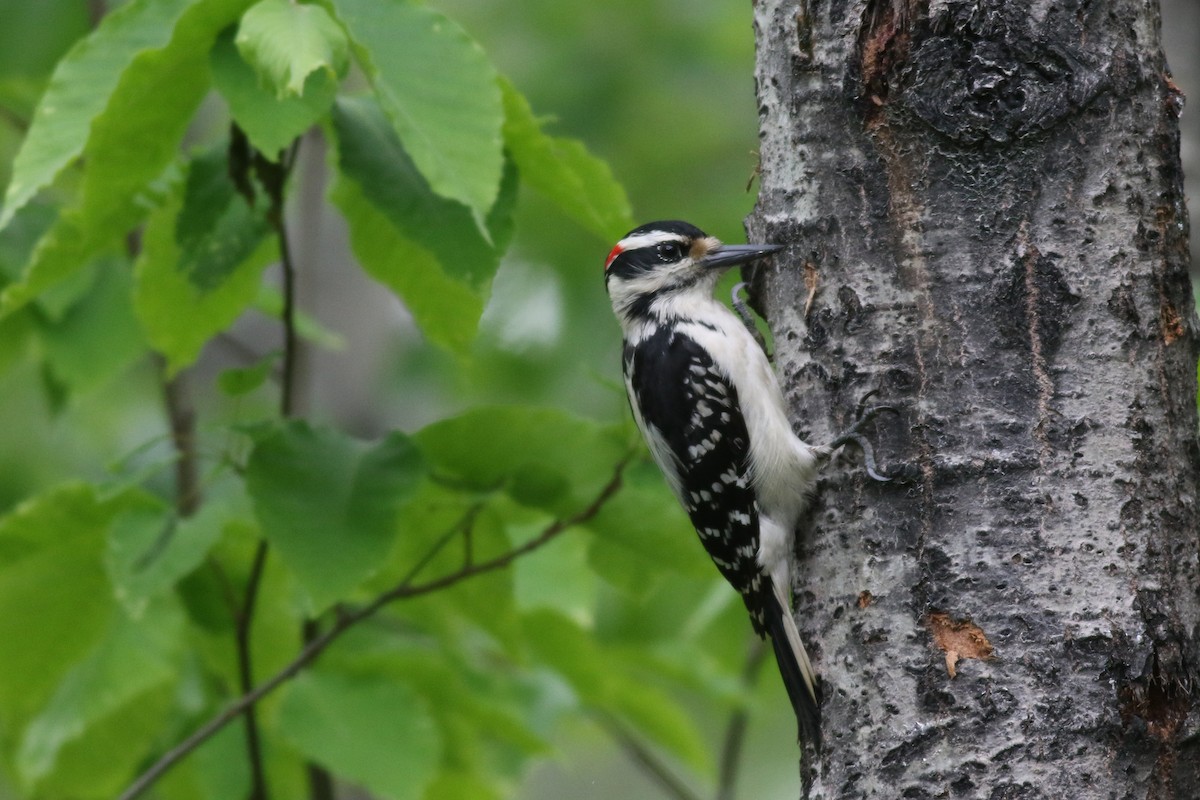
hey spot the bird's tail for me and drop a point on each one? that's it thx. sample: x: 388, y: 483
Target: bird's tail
x: 796, y: 670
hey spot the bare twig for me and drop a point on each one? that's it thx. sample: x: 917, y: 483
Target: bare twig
x: 273, y: 179
x: 404, y: 589
x: 245, y: 619
x: 735, y: 732
x: 182, y: 418
x: 645, y: 758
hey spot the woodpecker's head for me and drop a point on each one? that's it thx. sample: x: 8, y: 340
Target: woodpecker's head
x: 660, y: 264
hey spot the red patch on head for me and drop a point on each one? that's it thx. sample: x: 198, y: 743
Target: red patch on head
x: 616, y: 251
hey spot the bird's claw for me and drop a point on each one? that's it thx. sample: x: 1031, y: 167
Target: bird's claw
x: 862, y: 416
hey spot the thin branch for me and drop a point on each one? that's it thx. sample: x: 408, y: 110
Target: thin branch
x: 274, y: 178
x: 245, y: 620
x: 735, y: 732
x: 404, y: 589
x: 182, y: 418
x: 650, y: 763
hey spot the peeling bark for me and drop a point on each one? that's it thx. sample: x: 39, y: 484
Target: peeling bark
x: 984, y: 207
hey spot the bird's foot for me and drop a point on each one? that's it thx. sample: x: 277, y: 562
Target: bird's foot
x: 863, y: 415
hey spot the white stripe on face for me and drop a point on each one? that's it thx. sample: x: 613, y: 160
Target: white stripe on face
x: 650, y: 240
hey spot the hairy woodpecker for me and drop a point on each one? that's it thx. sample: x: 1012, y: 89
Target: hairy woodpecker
x: 711, y: 410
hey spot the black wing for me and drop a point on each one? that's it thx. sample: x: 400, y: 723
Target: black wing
x: 694, y: 409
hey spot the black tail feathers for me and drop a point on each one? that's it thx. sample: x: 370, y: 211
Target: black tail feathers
x: 798, y: 676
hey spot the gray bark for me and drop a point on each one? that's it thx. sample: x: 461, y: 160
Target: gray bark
x: 987, y: 199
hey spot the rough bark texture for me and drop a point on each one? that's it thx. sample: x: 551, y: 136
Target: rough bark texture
x: 986, y: 197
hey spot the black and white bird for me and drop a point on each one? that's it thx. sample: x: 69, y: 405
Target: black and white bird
x: 711, y: 410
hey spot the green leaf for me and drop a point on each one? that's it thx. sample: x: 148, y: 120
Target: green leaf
x: 582, y: 185
x: 329, y: 503
x: 97, y: 764
x: 150, y: 549
x: 556, y: 577
x: 20, y: 236
x: 51, y: 540
x: 371, y: 155
x: 564, y: 646
x: 449, y: 121
x: 80, y: 89
x: 286, y: 42
x: 128, y: 146
x: 215, y: 771
x: 600, y: 679
x: 451, y: 786
x: 423, y: 247
x: 660, y: 719
x: 481, y: 706
x: 216, y: 229
x: 271, y: 123
x: 238, y: 381
x: 133, y: 658
x: 447, y: 311
x: 98, y: 338
x: 182, y: 302
x: 642, y: 534
x: 546, y: 458
x: 373, y: 731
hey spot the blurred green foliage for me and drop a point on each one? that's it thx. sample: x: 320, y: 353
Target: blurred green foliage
x: 138, y: 300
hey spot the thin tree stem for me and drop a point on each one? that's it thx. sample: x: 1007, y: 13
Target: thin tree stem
x: 735, y: 731
x: 404, y: 589
x: 258, y: 781
x: 650, y: 763
x: 182, y: 418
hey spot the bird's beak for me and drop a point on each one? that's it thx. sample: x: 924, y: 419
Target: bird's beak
x: 728, y: 255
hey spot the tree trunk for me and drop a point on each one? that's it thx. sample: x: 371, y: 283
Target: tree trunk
x: 985, y: 214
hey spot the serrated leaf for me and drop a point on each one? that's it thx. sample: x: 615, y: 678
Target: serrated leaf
x: 80, y: 88
x: 449, y: 119
x: 446, y: 310
x: 178, y: 314
x: 371, y: 155
x: 329, y: 503
x: 521, y: 448
x: 133, y: 658
x: 373, y: 731
x: 582, y: 185
x: 128, y: 146
x: 287, y: 41
x: 271, y: 123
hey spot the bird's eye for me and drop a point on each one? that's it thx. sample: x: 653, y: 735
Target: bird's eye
x: 670, y: 251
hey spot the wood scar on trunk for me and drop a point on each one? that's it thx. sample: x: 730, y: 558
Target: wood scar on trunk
x: 958, y: 639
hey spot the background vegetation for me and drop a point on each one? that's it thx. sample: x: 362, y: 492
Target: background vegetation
x: 189, y: 494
